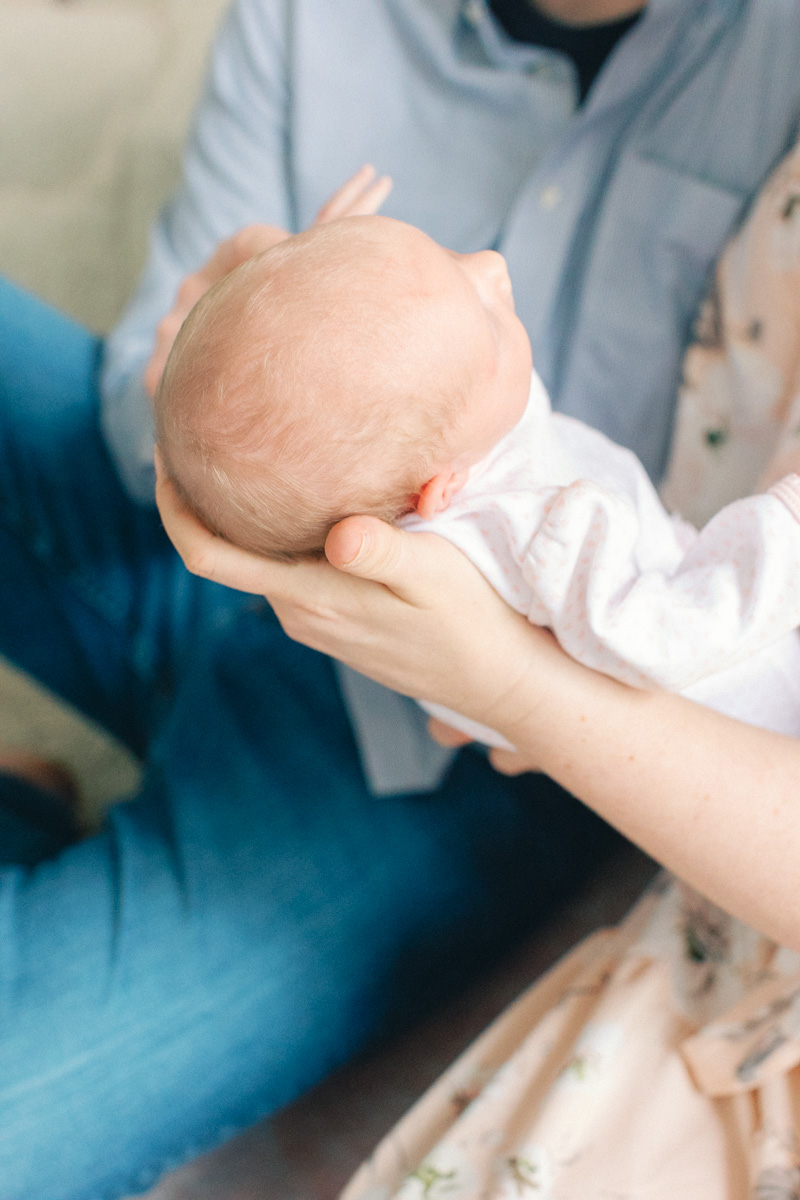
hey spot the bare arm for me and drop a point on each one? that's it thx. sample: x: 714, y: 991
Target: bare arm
x: 715, y: 801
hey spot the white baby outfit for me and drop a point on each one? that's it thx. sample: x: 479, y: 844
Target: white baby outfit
x: 569, y: 530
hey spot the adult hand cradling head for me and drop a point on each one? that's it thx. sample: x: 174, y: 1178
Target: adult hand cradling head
x: 409, y: 610
x: 383, y: 602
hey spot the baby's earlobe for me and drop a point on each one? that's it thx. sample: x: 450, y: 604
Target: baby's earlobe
x: 435, y: 495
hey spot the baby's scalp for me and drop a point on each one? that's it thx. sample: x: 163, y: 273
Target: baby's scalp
x: 324, y: 377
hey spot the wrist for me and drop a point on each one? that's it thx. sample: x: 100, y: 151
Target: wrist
x: 531, y: 675
x: 553, y: 702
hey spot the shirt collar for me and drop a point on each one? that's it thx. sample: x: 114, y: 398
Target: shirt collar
x: 504, y: 51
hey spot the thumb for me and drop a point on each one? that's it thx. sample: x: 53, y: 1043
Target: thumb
x: 371, y: 549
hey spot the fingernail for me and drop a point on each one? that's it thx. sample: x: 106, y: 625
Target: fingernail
x: 350, y: 562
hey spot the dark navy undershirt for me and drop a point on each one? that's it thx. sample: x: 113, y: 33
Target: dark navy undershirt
x: 587, y: 45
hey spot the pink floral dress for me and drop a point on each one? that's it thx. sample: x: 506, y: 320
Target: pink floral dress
x: 659, y: 1060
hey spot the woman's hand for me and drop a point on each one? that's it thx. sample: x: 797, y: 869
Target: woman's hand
x: 362, y: 195
x: 507, y: 762
x: 685, y: 783
x: 407, y: 609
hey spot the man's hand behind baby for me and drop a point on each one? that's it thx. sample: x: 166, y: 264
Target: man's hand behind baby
x: 362, y: 195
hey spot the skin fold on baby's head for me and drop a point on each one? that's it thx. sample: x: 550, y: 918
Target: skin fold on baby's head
x: 355, y: 368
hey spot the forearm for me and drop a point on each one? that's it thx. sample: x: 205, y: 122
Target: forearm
x: 715, y: 801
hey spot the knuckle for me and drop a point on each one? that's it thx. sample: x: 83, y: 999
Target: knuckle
x: 297, y: 626
x: 188, y: 293
x: 318, y: 612
x: 241, y: 242
x: 252, y: 240
x: 287, y: 624
x: 388, y: 560
x: 152, y: 377
x: 166, y: 328
x: 200, y: 562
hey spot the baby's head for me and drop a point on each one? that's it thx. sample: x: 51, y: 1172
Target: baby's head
x: 355, y: 368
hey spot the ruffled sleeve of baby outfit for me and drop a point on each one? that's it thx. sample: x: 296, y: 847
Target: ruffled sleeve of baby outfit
x: 735, y: 590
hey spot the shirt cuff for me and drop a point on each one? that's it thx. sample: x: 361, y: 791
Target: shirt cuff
x: 126, y: 418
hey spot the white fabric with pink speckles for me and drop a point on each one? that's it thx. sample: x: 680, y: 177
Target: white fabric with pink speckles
x: 568, y: 528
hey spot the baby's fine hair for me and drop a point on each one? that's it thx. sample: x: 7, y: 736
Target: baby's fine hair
x: 308, y: 385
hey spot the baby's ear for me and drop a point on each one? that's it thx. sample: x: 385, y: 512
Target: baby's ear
x: 435, y: 495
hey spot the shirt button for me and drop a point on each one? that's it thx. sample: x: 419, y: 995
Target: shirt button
x: 473, y: 11
x: 550, y: 196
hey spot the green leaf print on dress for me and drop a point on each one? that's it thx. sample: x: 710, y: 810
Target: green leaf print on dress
x: 431, y: 1178
x: 526, y: 1175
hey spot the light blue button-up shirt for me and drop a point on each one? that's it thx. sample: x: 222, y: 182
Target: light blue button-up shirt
x: 610, y: 216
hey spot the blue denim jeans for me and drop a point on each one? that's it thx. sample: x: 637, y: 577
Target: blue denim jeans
x: 253, y: 917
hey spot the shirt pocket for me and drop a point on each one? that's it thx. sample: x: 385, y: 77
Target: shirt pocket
x: 673, y: 222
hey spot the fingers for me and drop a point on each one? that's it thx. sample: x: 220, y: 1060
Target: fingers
x: 361, y: 196
x: 310, y: 599
x: 509, y: 762
x: 351, y: 189
x: 445, y: 735
x: 190, y: 291
x: 309, y: 595
x: 244, y: 245
x: 230, y: 254
x: 158, y: 360
x: 209, y: 556
x: 371, y: 200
